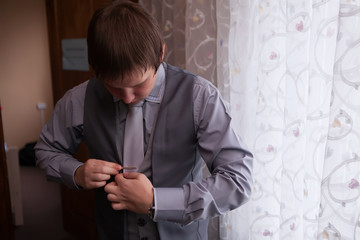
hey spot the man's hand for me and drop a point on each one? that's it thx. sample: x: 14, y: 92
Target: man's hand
x: 132, y: 191
x: 94, y: 173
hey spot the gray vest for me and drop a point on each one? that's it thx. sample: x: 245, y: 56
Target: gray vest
x: 175, y: 159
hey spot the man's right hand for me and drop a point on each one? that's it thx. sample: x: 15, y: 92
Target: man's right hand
x: 94, y: 173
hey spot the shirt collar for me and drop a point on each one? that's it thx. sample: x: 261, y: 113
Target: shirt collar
x: 158, y: 90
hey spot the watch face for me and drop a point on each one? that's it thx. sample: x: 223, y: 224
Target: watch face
x: 151, y: 212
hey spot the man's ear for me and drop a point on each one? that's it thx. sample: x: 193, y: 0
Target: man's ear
x: 163, y: 52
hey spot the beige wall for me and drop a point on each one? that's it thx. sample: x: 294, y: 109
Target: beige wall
x: 25, y: 76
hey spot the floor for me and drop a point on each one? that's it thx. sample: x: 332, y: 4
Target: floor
x: 41, y: 207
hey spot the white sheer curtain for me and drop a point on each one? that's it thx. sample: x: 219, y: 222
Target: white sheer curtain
x: 290, y: 72
x: 306, y: 143
x: 237, y: 64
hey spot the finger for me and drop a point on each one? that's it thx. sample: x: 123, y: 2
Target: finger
x: 113, y: 198
x: 113, y: 165
x: 119, y: 178
x: 100, y: 177
x: 99, y: 162
x: 107, y: 169
x: 110, y: 187
x: 97, y: 184
x: 118, y: 206
x: 131, y: 175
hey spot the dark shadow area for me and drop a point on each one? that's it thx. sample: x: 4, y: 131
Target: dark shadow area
x: 41, y: 207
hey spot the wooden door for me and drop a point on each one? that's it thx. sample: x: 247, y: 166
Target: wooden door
x: 69, y: 19
x: 6, y: 222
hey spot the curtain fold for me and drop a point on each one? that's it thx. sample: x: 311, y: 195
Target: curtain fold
x: 170, y: 15
x: 200, y: 38
x: 237, y: 48
x: 339, y: 207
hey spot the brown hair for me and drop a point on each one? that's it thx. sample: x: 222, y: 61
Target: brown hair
x: 122, y: 38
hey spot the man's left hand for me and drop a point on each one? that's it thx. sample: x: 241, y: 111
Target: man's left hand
x: 132, y: 191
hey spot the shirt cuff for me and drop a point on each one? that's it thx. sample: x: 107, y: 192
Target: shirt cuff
x: 67, y: 171
x: 169, y: 204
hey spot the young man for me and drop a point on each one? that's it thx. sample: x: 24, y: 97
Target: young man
x: 185, y: 121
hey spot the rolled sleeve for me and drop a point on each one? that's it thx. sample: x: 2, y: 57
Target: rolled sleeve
x: 67, y: 170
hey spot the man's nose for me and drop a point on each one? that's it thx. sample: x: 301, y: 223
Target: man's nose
x: 128, y: 96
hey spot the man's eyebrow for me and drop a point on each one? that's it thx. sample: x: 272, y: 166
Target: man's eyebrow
x: 140, y: 83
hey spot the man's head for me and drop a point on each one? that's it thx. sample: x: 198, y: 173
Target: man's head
x: 125, y: 48
x: 123, y: 38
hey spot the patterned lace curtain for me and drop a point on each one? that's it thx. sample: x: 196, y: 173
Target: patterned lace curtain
x: 306, y: 147
x: 290, y: 72
x: 189, y: 28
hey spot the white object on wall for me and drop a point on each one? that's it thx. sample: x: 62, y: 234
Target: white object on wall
x: 41, y: 106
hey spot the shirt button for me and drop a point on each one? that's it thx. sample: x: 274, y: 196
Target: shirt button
x: 141, y: 222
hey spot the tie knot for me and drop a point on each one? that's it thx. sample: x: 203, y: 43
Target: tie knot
x: 139, y: 104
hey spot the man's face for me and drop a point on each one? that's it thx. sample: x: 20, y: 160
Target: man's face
x: 133, y: 88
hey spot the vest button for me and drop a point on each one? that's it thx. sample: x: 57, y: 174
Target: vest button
x: 144, y: 238
x: 141, y: 222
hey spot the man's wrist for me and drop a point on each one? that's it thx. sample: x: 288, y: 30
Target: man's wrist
x: 151, y: 212
x: 78, y: 176
x: 151, y: 209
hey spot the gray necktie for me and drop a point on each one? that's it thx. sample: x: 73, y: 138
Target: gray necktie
x: 134, y: 137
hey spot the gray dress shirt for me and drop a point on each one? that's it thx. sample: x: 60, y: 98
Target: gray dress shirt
x: 211, y: 120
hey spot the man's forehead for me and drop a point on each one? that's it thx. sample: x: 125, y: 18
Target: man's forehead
x: 132, y: 79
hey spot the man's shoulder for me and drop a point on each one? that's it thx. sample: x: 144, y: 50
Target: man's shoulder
x: 197, y: 79
x: 174, y: 70
x: 76, y: 94
x: 80, y: 88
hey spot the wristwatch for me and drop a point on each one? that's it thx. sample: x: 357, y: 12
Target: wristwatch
x: 151, y: 211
